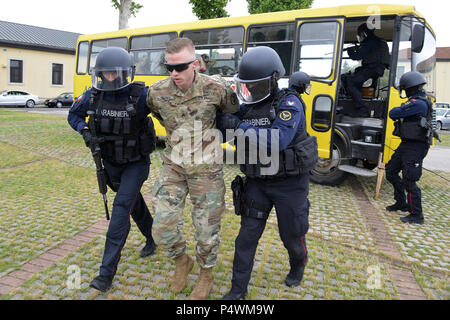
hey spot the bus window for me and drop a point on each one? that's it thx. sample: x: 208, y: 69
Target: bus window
x: 220, y: 48
x: 83, y: 48
x: 321, y: 113
x: 317, y: 42
x: 148, y: 53
x: 279, y: 37
x: 425, y: 62
x: 99, y: 45
x: 404, y: 49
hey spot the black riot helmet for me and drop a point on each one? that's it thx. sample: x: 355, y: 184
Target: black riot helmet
x: 300, y: 82
x: 113, y: 69
x: 363, y: 32
x: 259, y: 70
x: 412, y: 82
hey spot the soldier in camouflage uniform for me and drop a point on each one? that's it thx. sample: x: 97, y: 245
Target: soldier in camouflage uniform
x: 186, y: 105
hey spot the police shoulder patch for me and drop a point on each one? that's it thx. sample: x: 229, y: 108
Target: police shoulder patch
x: 285, y: 115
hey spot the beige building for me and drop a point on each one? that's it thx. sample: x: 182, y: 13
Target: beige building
x: 443, y: 74
x: 38, y: 60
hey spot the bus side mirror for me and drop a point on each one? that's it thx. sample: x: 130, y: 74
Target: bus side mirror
x: 418, y: 38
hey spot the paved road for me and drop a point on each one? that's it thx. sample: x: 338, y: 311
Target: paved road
x: 437, y: 159
x: 45, y: 110
x: 40, y: 109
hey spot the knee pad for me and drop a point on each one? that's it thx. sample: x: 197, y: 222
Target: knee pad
x: 410, y: 185
x: 123, y: 202
x: 412, y: 172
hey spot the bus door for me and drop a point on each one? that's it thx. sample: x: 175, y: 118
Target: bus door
x: 318, y: 53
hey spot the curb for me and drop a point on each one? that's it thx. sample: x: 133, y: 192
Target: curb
x: 404, y: 280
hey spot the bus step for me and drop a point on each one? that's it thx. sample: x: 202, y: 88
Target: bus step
x: 357, y: 171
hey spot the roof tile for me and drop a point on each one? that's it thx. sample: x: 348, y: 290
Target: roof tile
x: 21, y: 34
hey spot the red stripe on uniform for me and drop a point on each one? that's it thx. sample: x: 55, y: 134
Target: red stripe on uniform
x: 410, y: 202
x: 304, y: 249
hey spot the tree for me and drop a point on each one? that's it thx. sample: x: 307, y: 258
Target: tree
x: 127, y: 8
x: 209, y: 9
x: 262, y: 6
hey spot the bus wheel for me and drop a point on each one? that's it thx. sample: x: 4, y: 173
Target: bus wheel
x: 326, y: 172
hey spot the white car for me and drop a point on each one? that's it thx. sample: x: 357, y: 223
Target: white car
x: 442, y: 105
x: 18, y: 98
x: 442, y: 119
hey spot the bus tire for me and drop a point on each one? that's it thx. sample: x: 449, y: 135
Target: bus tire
x: 326, y: 172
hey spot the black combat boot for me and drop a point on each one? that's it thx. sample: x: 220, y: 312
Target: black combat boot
x: 101, y: 283
x: 234, y: 296
x: 149, y: 249
x: 295, y: 275
x: 413, y: 218
x: 398, y: 206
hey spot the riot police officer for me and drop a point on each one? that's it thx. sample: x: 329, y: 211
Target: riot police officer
x: 374, y: 54
x: 119, y: 123
x: 410, y: 119
x: 267, y: 109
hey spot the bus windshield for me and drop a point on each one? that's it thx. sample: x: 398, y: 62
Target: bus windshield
x: 423, y: 62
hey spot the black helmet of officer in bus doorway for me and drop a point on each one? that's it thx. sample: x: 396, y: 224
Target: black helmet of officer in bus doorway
x: 300, y: 82
x: 363, y: 32
x: 412, y: 83
x: 113, y: 69
x: 259, y: 71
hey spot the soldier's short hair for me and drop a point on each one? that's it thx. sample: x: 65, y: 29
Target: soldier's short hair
x: 178, y: 44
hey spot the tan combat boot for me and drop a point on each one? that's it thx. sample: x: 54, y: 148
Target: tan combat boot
x: 183, y: 265
x: 203, y: 286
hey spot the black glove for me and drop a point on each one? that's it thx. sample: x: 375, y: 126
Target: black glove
x: 87, y: 136
x: 226, y: 120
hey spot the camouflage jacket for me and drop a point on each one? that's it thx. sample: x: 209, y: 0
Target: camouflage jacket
x: 190, y: 120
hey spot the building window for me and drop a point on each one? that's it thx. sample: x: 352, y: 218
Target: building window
x: 57, y: 74
x: 15, y: 71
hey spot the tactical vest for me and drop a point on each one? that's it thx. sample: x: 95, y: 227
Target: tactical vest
x: 300, y: 156
x: 415, y: 129
x: 125, y: 133
x: 380, y: 56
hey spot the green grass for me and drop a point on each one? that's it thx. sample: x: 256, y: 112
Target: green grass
x: 11, y: 156
x: 445, y: 138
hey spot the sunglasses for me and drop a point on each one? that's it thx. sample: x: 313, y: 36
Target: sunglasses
x: 178, y: 67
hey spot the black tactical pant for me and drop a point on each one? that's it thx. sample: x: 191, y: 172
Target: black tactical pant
x: 289, y: 196
x: 408, y: 158
x: 356, y: 80
x: 128, y: 201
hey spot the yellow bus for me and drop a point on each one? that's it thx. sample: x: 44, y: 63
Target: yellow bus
x: 310, y: 40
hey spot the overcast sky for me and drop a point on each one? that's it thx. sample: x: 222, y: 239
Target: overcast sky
x: 93, y: 16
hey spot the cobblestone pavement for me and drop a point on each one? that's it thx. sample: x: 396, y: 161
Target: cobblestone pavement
x: 52, y: 232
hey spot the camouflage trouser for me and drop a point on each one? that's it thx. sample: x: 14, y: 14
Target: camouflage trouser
x: 207, y: 193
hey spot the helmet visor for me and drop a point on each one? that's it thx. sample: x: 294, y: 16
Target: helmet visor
x: 111, y: 79
x: 308, y: 89
x: 402, y: 93
x: 253, y: 91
